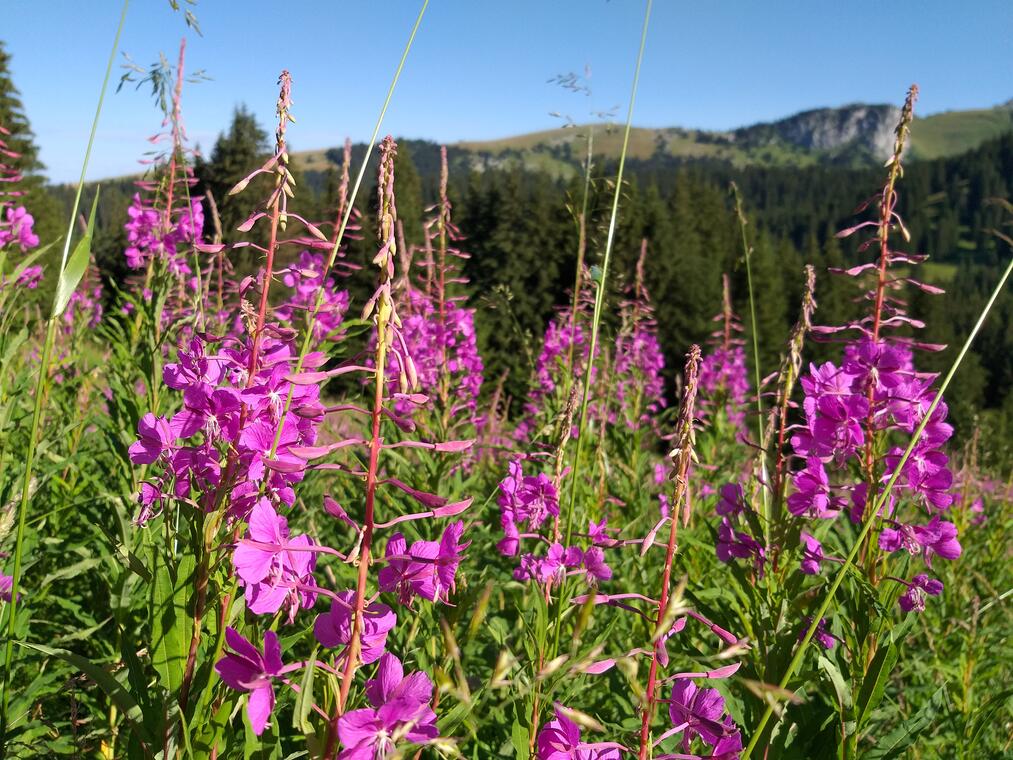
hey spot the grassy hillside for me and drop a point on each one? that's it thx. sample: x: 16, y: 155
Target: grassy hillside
x: 953, y: 132
x: 560, y: 151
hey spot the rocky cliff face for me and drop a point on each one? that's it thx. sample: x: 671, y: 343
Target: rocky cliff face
x: 861, y: 127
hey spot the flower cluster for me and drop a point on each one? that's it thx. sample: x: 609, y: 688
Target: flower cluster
x: 16, y: 226
x: 246, y: 436
x: 16, y: 223
x: 526, y: 502
x: 639, y: 362
x: 561, y: 361
x: 400, y: 707
x: 445, y: 353
x: 425, y: 569
x: 724, y: 380
x: 638, y: 375
x: 152, y: 234
x: 723, y: 377
x: 306, y: 279
x: 232, y: 424
x: 438, y: 329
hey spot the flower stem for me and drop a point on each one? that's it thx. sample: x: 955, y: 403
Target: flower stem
x: 684, y: 456
x: 747, y: 254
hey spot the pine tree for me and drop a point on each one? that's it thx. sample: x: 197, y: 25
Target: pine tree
x: 835, y: 296
x: 770, y: 300
x: 21, y: 140
x: 408, y: 189
x: 236, y: 153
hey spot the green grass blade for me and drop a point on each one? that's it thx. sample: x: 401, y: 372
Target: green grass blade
x: 113, y: 689
x: 76, y: 266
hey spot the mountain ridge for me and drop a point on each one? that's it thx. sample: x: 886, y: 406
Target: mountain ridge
x: 855, y: 134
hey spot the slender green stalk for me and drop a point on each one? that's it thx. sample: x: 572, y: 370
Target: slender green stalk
x: 339, y: 238
x: 599, y: 299
x: 581, y: 248
x: 41, y: 393
x: 796, y: 661
x: 747, y: 254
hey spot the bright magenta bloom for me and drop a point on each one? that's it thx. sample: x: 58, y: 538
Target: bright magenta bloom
x: 559, y: 739
x: 702, y: 712
x: 334, y: 628
x: 275, y: 569
x: 154, y: 437
x: 246, y: 669
x: 401, y: 708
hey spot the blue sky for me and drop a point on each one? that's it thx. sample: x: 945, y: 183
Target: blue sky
x: 479, y: 67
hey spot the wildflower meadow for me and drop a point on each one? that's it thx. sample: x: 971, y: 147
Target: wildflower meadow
x: 271, y: 488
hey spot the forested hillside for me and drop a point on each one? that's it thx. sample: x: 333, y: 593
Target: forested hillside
x: 520, y: 227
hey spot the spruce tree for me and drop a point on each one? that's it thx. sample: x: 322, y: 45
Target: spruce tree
x: 408, y: 188
x: 21, y: 140
x: 236, y: 153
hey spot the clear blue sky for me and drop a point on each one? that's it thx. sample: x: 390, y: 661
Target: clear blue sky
x: 479, y: 67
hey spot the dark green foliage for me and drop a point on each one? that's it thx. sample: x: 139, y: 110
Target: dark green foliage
x: 21, y: 140
x: 236, y: 153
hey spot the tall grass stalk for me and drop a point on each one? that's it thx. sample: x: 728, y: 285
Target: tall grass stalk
x: 599, y: 299
x: 578, y: 279
x: 41, y: 384
x: 873, y: 514
x: 747, y: 254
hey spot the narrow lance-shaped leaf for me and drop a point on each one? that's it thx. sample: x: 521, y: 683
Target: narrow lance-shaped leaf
x: 77, y: 264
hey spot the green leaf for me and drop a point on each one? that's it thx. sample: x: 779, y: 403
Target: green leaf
x: 837, y: 680
x: 77, y: 264
x: 519, y: 738
x: 875, y: 681
x: 105, y: 681
x: 304, y: 699
x: 72, y: 571
x: 984, y: 717
x: 171, y: 625
x: 896, y: 743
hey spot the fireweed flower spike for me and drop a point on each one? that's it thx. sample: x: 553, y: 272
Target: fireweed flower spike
x: 851, y: 409
x: 426, y: 568
x: 681, y: 456
x: 724, y: 381
x: 928, y: 411
x: 16, y: 227
x: 438, y: 330
x: 165, y: 222
x: 639, y: 363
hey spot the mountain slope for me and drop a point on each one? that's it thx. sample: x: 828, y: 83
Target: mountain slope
x: 852, y: 135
